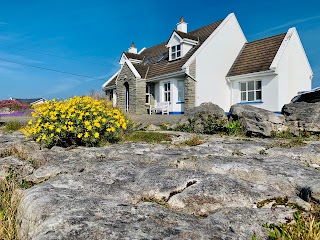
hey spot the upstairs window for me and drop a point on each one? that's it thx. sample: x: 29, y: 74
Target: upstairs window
x: 175, y: 52
x: 251, y: 91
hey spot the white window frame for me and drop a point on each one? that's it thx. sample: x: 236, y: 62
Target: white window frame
x: 180, y: 88
x: 166, y: 92
x: 247, y: 91
x: 148, y: 94
x: 175, y: 52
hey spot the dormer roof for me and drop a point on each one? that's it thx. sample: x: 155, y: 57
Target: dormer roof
x: 186, y: 35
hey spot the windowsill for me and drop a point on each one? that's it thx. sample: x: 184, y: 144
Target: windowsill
x: 179, y: 102
x: 253, y: 102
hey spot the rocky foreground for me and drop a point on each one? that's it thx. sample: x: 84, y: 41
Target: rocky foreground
x: 153, y: 191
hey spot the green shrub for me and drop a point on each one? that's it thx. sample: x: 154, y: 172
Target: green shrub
x: 76, y: 121
x: 12, y: 126
x: 300, y: 227
x: 211, y: 125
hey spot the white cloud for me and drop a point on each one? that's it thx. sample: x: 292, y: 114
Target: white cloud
x: 290, y: 23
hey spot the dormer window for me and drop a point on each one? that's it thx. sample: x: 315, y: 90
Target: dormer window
x: 175, y: 52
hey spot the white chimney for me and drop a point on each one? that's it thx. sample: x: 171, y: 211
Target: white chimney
x: 133, y: 49
x: 182, y: 26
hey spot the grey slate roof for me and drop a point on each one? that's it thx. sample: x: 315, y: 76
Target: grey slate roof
x: 150, y: 67
x: 256, y: 56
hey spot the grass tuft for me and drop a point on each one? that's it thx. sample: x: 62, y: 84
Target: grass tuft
x: 148, y: 137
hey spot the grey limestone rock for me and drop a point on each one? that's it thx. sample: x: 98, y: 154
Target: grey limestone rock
x: 152, y: 191
x: 257, y: 121
x: 302, y: 116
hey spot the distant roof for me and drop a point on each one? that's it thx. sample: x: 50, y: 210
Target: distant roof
x: 256, y: 56
x: 27, y: 101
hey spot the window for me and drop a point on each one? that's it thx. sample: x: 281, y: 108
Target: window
x: 251, y: 91
x: 175, y: 52
x: 180, y: 91
x: 110, y: 95
x: 166, y: 92
x: 148, y: 94
x: 164, y: 55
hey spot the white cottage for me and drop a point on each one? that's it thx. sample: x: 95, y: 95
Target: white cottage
x: 214, y: 63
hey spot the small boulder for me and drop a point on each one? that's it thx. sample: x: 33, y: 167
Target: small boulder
x: 302, y: 116
x: 257, y: 121
x: 200, y: 119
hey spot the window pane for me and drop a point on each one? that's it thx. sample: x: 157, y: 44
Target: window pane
x: 168, y: 97
x: 258, y: 85
x: 258, y: 95
x: 178, y: 47
x: 173, y: 55
x: 243, y: 87
x: 250, y: 96
x: 173, y: 48
x: 165, y: 87
x: 178, y: 54
x: 251, y: 85
x: 147, y: 99
x: 243, y: 96
x: 168, y: 86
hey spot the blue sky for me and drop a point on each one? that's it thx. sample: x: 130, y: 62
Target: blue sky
x: 87, y: 37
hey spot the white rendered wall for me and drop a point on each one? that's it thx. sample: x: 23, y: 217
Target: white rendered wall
x: 214, y: 62
x: 294, y: 71
x: 269, y: 92
x: 159, y: 94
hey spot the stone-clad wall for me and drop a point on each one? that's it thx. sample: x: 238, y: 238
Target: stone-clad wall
x: 190, y: 88
x: 137, y: 91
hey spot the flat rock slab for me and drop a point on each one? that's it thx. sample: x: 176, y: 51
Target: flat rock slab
x: 151, y: 191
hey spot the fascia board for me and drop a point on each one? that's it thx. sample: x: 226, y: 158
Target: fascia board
x: 206, y: 42
x: 252, y: 75
x: 113, y: 76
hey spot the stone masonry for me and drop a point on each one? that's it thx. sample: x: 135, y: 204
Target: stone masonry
x: 190, y: 88
x: 137, y: 90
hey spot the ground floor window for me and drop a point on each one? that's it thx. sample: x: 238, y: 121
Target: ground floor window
x: 110, y: 95
x: 148, y: 94
x: 251, y: 91
x: 180, y: 91
x: 166, y: 92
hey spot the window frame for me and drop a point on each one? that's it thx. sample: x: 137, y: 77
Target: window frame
x: 148, y: 94
x: 174, y: 51
x: 166, y: 92
x: 180, y: 91
x: 248, y: 91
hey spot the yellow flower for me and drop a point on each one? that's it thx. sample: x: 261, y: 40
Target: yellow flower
x: 80, y: 135
x: 58, y: 130
x: 71, y: 128
x: 30, y: 122
x: 96, y: 124
x: 89, y: 127
x: 96, y: 135
x: 38, y: 139
x: 86, y: 123
x: 51, y: 135
x: 86, y: 134
x: 44, y: 137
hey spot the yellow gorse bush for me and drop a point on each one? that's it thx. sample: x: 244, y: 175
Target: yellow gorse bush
x: 76, y: 121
